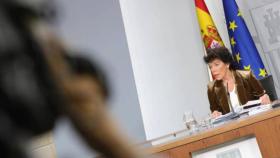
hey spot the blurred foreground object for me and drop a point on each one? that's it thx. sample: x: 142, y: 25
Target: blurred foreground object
x: 38, y: 84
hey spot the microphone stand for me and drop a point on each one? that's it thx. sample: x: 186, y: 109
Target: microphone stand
x: 231, y: 115
x: 234, y: 114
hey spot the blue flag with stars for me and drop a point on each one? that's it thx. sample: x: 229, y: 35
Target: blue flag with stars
x: 243, y: 47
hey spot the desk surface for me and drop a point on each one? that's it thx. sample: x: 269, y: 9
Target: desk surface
x: 239, y: 123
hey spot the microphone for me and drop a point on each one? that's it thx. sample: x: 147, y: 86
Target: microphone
x: 228, y: 97
x: 229, y: 116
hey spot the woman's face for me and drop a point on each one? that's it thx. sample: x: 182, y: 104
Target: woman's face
x: 218, y: 69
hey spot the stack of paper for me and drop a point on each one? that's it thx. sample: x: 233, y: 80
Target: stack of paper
x: 252, y: 103
x: 225, y: 117
x: 259, y: 109
x: 254, y: 107
x: 251, y: 108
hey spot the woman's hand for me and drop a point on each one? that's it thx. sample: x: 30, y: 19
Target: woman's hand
x: 265, y: 99
x: 216, y: 114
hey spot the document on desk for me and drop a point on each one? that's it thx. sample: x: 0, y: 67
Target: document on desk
x: 253, y: 107
x: 259, y: 109
x: 225, y: 117
x: 252, y: 103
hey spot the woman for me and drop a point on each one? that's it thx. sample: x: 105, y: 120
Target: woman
x: 230, y: 86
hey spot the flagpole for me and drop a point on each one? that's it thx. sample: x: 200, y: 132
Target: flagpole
x: 208, y: 69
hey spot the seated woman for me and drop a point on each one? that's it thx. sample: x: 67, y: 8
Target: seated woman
x: 241, y: 85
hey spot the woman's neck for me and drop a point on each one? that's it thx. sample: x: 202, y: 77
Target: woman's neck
x: 228, y: 78
x: 229, y: 81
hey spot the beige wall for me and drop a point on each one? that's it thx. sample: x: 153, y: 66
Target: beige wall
x: 43, y: 146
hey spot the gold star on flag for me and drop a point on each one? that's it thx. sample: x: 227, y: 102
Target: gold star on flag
x: 247, y: 67
x: 232, y: 25
x: 262, y: 73
x: 239, y: 13
x: 232, y: 41
x: 238, y: 58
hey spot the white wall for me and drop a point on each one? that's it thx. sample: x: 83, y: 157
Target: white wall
x: 166, y: 53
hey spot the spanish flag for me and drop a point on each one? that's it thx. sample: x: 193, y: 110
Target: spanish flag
x: 209, y: 33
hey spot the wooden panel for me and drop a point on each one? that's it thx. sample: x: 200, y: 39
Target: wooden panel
x: 216, y: 131
x: 162, y: 155
x: 268, y: 136
x: 265, y: 127
x: 185, y: 151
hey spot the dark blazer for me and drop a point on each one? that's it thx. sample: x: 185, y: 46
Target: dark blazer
x: 247, y: 86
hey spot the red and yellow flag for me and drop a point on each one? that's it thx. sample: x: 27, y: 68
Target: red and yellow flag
x: 209, y: 33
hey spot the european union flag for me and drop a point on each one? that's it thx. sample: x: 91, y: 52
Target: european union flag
x: 243, y: 47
